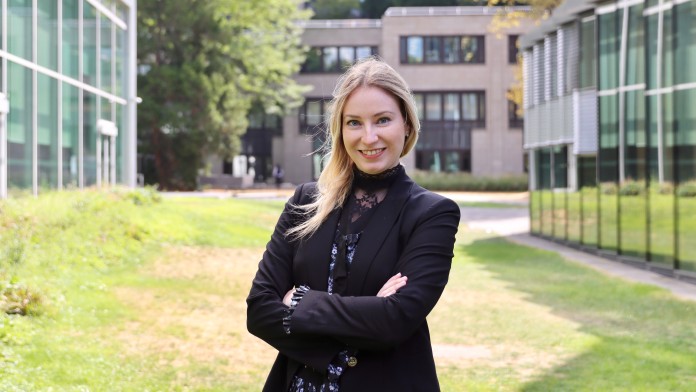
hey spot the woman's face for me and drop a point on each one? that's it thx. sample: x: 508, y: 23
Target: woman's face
x: 373, y: 129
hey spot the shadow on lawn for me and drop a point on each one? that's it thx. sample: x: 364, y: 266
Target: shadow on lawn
x: 646, y: 337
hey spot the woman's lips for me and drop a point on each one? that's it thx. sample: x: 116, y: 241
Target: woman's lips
x: 373, y: 153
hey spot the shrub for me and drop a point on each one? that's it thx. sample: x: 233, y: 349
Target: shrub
x: 632, y: 188
x: 687, y: 189
x: 18, y: 299
x: 608, y: 188
x: 467, y: 182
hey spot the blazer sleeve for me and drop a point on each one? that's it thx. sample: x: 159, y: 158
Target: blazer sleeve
x: 376, y: 323
x: 265, y: 308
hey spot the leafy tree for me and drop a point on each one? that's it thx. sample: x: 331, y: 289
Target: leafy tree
x: 202, y: 64
x: 335, y: 9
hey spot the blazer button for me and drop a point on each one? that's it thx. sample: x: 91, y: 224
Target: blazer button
x: 352, y: 361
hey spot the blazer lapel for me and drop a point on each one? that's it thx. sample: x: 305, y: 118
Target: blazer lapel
x: 376, y: 231
x: 315, y: 253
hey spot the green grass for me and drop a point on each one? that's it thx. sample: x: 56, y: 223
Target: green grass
x: 489, y: 204
x: 139, y: 294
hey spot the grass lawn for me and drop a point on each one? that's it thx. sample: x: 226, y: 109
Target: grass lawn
x: 135, y: 295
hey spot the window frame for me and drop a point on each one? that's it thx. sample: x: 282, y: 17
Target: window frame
x: 439, y: 44
x: 337, y: 66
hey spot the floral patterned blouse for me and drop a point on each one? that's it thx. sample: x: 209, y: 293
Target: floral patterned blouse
x: 367, y: 193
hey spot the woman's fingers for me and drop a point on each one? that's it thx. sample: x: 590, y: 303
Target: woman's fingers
x: 392, y: 285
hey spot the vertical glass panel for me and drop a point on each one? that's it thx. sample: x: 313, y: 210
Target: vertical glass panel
x: 89, y: 51
x: 19, y: 127
x: 635, y: 56
x: 48, y: 34
x: 19, y: 28
x: 419, y: 105
x: 451, y: 50
x: 587, y: 54
x: 635, y: 140
x: 71, y: 49
x: 560, y: 170
x: 651, y: 49
x: 313, y: 113
x: 414, y: 48
x: 552, y: 73
x: 433, y: 106
x: 346, y: 56
x: 89, y: 138
x: 432, y: 49
x: 71, y: 131
x: 120, y: 62
x: 451, y: 107
x: 547, y: 211
x: 471, y: 51
x: 609, y: 39
x: 312, y: 61
x: 573, y: 206
x: 685, y: 130
x: 362, y: 52
x: 685, y: 52
x: 608, y: 171
x: 121, y: 141
x: 669, y: 41
x: 534, y: 211
x: 590, y: 217
x: 47, y: 132
x: 106, y: 56
x: 470, y: 107
x: 330, y: 59
x: 106, y: 109
x: 546, y: 194
x: 559, y: 215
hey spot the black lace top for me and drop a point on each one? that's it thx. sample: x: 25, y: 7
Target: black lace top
x: 368, y: 191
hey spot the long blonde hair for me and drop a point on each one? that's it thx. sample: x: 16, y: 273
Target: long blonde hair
x: 335, y: 180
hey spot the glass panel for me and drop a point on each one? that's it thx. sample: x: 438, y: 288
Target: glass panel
x: 685, y: 52
x: 587, y: 54
x: 608, y: 171
x: 121, y: 141
x: 90, y: 139
x: 559, y: 215
x: 573, y: 210
x: 313, y: 116
x: 451, y: 49
x: 452, y: 107
x: 419, y: 105
x: 47, y: 131
x: 105, y: 54
x: 560, y: 167
x: 414, y: 47
x: 48, y: 34
x: 346, y: 56
x: 685, y: 129
x: 432, y: 49
x: 669, y: 42
x: 590, y: 220
x: 635, y: 151
x: 19, y: 28
x: 70, y: 39
x: 120, y: 62
x: 471, y: 52
x: 330, y: 59
x: 470, y: 107
x: 609, y: 38
x: 89, y: 52
x: 534, y: 213
x: 635, y: 58
x: 547, y: 210
x: 312, y: 61
x: 70, y: 135
x: 433, y: 106
x: 546, y: 195
x: 19, y: 127
x: 651, y: 48
x: 362, y: 52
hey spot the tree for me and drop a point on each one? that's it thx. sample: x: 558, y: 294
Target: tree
x: 202, y: 64
x: 335, y: 9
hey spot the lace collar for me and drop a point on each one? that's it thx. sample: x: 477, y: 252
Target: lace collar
x: 372, y: 182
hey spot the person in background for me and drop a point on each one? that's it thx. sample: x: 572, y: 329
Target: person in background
x: 358, y: 259
x: 278, y: 175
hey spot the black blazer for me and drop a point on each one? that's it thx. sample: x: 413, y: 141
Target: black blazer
x: 412, y: 232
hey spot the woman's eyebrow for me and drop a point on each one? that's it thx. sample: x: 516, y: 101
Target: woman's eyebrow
x: 374, y: 115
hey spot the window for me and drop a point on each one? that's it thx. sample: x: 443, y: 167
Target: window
x: 469, y: 107
x: 442, y: 50
x: 335, y: 59
x: 513, y: 48
x: 311, y: 115
x: 515, y: 118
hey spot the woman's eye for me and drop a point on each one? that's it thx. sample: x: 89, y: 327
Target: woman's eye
x: 352, y: 123
x: 383, y: 120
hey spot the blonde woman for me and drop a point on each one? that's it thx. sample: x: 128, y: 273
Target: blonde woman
x: 359, y: 258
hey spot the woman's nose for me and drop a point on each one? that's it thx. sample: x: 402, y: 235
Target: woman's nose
x: 369, y: 134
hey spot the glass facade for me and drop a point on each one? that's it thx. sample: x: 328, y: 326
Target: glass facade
x: 69, y: 81
x: 632, y: 197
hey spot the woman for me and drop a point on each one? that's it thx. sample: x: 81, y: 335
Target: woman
x: 359, y: 258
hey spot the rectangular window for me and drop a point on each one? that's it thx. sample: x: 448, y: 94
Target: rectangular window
x: 433, y: 106
x: 442, y: 50
x: 312, y: 114
x: 468, y: 107
x: 451, y: 107
x: 587, y: 54
x: 513, y: 48
x: 333, y: 59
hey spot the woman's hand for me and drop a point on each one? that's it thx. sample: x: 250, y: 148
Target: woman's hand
x: 393, y: 284
x: 288, y: 296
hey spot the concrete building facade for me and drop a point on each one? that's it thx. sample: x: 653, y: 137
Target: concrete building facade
x: 459, y: 72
